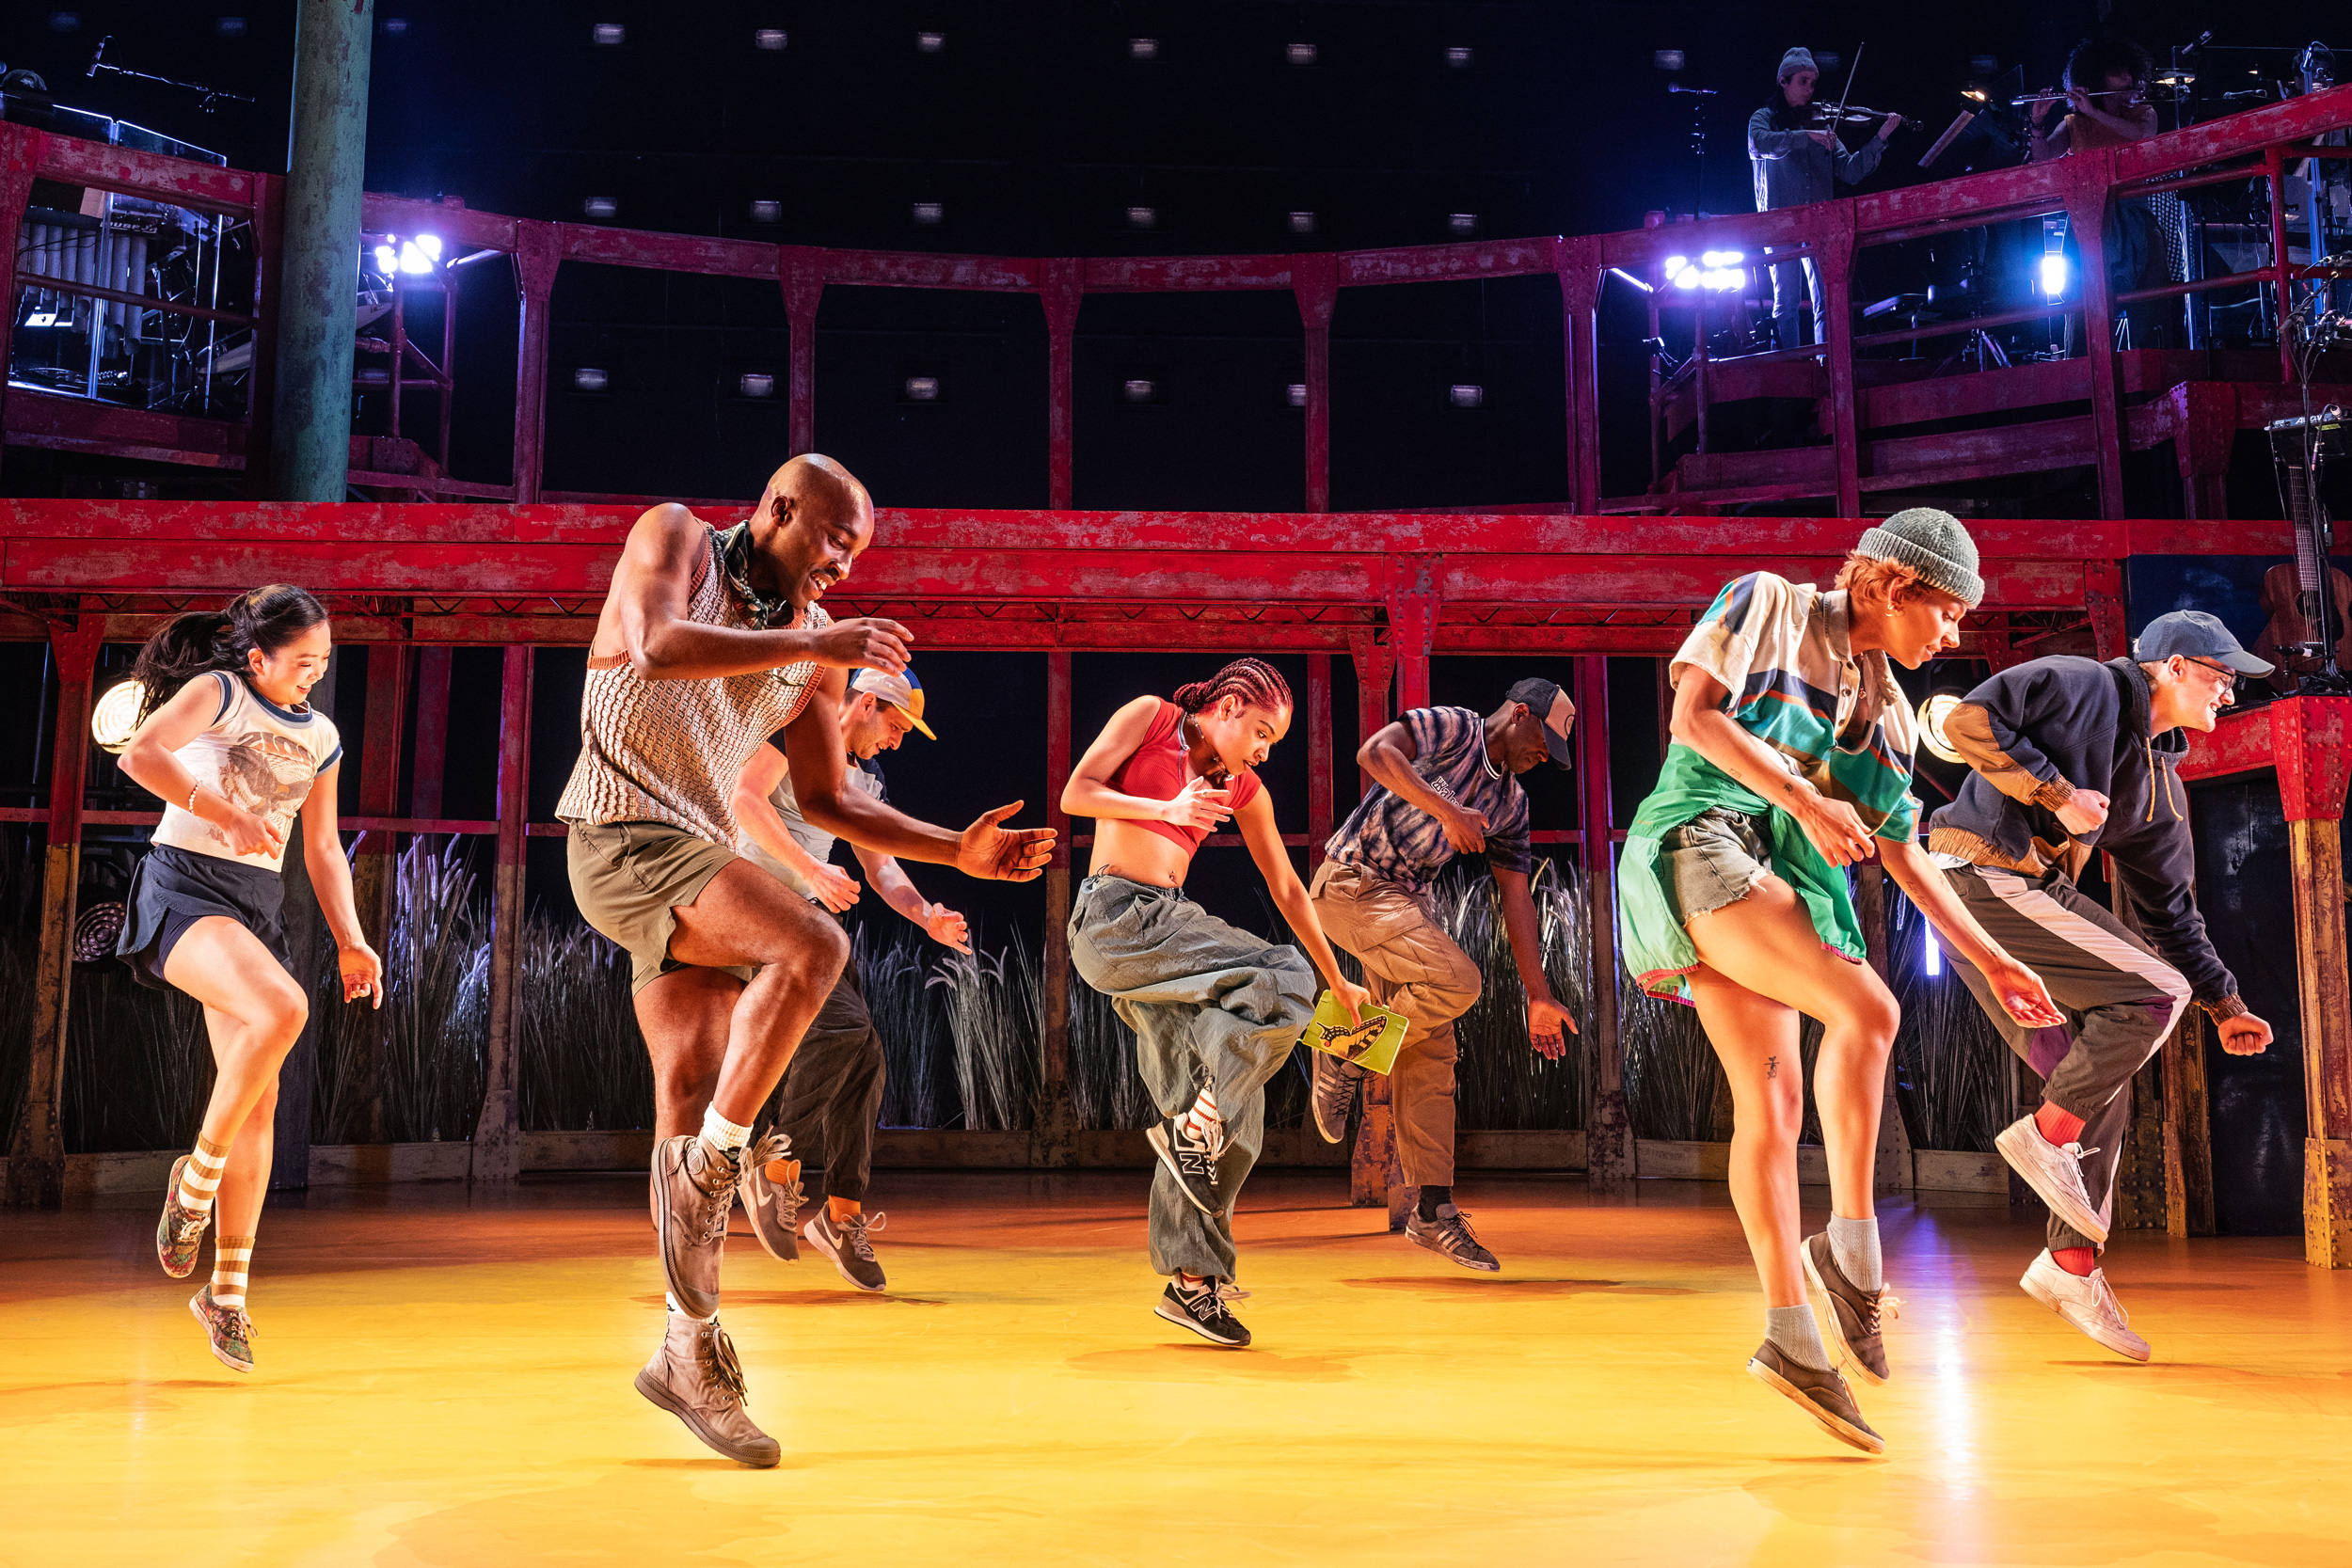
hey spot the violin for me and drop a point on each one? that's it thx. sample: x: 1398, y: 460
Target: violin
x: 1828, y: 116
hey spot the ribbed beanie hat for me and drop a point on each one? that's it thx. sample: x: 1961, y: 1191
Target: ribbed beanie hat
x: 1931, y: 544
x: 1798, y: 58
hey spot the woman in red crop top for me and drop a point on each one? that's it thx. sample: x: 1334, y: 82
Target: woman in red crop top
x: 1216, y: 1010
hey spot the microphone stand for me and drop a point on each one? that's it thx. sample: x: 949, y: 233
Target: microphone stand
x: 1699, y: 144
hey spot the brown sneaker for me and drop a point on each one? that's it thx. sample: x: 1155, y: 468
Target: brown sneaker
x: 227, y: 1327
x: 1852, y: 1318
x: 693, y: 1190
x: 695, y: 1377
x: 179, y: 1234
x: 1820, y: 1394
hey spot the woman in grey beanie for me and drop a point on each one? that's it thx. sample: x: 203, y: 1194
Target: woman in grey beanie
x: 1791, y: 761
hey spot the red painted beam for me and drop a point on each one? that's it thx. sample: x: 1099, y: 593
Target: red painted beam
x: 181, y: 181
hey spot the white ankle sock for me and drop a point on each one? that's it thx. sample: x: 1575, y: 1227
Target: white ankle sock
x: 722, y: 1135
x: 670, y: 1301
x: 1798, y: 1336
x: 1854, y: 1243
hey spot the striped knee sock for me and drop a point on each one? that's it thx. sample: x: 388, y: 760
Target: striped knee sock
x: 1201, y: 1122
x: 231, y: 1256
x: 199, y: 1178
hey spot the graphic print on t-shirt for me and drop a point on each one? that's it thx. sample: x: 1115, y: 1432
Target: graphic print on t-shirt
x: 267, y: 774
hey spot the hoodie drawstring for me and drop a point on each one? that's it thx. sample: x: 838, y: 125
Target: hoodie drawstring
x: 2157, y: 772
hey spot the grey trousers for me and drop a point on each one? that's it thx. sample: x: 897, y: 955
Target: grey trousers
x: 2121, y: 1002
x: 832, y: 1094
x: 1208, y: 1004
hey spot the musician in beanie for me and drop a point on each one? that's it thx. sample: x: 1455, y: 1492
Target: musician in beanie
x: 1795, y: 163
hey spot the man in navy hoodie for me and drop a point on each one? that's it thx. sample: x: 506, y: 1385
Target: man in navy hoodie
x: 2068, y: 755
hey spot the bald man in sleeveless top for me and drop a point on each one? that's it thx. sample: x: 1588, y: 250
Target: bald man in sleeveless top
x: 711, y: 641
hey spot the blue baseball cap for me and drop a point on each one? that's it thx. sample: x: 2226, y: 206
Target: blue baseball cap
x: 2194, y: 634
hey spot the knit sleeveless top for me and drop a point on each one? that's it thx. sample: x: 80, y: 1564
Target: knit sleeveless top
x: 1156, y: 770
x: 670, y: 752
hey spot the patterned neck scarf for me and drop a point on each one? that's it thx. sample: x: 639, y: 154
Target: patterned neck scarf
x: 734, y: 559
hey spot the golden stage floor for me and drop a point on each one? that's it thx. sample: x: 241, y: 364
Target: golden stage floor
x: 448, y: 1382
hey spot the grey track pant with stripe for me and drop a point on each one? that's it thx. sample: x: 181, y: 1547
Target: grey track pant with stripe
x: 2121, y: 1002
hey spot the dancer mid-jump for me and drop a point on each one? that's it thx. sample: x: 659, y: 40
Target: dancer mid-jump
x: 709, y: 643
x: 1215, y: 1011
x: 228, y: 740
x: 1791, y: 757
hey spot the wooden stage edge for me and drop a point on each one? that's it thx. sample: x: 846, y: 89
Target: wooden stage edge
x: 911, y: 1149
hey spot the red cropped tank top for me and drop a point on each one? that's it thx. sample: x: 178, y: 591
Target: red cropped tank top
x: 1155, y: 770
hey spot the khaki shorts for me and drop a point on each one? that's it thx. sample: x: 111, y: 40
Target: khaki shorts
x: 630, y: 879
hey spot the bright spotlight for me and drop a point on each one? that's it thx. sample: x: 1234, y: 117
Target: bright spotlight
x: 2053, y: 274
x: 1688, y: 277
x: 386, y: 260
x: 413, y: 261
x: 1724, y: 279
x: 1930, y: 955
x: 1933, y: 715
x: 1675, y: 264
x: 1621, y: 273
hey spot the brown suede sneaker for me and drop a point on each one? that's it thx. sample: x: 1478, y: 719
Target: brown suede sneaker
x: 1820, y: 1394
x: 695, y: 1377
x: 693, y: 1190
x: 1852, y: 1318
x: 179, y: 1234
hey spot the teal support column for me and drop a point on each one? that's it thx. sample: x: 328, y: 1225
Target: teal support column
x: 310, y: 437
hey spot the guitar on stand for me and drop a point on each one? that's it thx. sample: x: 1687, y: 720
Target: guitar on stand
x: 2309, y: 633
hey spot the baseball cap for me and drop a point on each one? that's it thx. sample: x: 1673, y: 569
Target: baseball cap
x: 2194, y: 634
x: 902, y: 692
x: 1539, y: 695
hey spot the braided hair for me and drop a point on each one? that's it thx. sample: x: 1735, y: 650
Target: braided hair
x: 1257, y: 683
x: 203, y: 640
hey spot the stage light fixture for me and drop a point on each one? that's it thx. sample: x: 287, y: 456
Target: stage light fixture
x: 1722, y: 257
x: 1675, y: 264
x: 766, y: 211
x: 1143, y: 217
x: 1464, y: 395
x: 1461, y: 223
x: 64, y: 22
x: 2051, y: 277
x: 417, y: 256
x: 1984, y: 65
x: 609, y: 33
x: 770, y: 38
x: 386, y: 260
x: 1302, y: 223
x: 1620, y: 271
x: 1828, y: 61
x: 1666, y: 59
x: 1930, y: 955
x: 1688, y: 277
x: 396, y: 27
x: 930, y: 211
x: 1143, y: 49
x: 1299, y: 53
x: 1977, y: 94
x: 601, y: 207
x: 588, y: 378
x: 1934, y: 714
x: 1296, y: 395
x: 1724, y: 279
x: 755, y: 383
x: 1459, y: 57
x: 919, y: 388
x: 930, y: 43
x: 229, y: 27
x: 1137, y: 388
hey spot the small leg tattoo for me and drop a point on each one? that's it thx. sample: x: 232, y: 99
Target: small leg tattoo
x: 1771, y: 1067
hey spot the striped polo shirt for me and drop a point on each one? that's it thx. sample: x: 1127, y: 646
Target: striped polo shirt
x: 1400, y: 843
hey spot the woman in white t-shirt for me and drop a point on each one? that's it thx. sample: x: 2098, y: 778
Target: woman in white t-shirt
x: 228, y: 740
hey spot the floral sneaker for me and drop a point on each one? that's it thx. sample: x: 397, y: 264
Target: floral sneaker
x: 230, y: 1329
x: 179, y: 1234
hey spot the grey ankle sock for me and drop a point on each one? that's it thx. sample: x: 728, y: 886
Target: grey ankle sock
x: 1798, y: 1336
x: 1855, y: 1246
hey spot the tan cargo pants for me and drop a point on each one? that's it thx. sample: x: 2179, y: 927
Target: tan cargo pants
x: 1411, y: 965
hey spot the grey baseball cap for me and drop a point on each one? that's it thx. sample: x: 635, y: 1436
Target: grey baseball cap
x: 2194, y: 634
x: 1540, y: 695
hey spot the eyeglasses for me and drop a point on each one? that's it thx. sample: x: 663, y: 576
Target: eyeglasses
x: 2229, y: 677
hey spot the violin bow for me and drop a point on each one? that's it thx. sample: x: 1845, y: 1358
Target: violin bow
x: 1846, y: 97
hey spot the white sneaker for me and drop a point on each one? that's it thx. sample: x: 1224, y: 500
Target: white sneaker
x: 2086, y: 1302
x: 2055, y: 1172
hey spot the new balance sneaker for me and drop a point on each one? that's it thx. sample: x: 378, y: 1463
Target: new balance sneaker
x: 1449, y: 1237
x: 693, y: 1190
x: 179, y: 1234
x: 1852, y: 1317
x: 1192, y: 1161
x: 227, y: 1327
x: 1820, y: 1394
x: 844, y: 1245
x: 695, y: 1377
x: 1202, y: 1309
x: 2055, y: 1172
x: 1333, y: 1094
x: 2087, y: 1302
x: 772, y: 1197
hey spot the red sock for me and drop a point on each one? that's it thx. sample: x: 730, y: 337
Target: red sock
x: 2076, y: 1260
x: 2059, y: 1126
